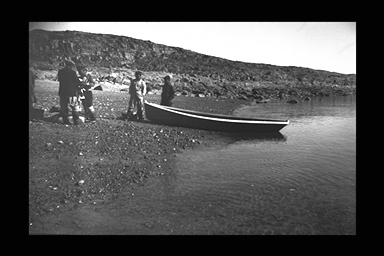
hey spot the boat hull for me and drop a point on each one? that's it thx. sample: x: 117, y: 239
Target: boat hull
x: 207, y: 121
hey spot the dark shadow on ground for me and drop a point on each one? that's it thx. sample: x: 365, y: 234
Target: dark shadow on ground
x: 36, y: 114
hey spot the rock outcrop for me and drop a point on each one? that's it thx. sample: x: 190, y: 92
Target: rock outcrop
x: 115, y: 58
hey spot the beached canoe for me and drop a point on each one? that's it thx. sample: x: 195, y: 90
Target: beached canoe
x: 209, y: 121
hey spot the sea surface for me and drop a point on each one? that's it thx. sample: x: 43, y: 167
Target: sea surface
x: 301, y: 181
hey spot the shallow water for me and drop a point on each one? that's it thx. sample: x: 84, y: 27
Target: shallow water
x: 300, y: 181
x: 303, y: 184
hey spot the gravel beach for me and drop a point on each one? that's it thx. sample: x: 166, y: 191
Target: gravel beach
x: 73, y: 166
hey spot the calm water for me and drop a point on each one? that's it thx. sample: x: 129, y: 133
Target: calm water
x: 304, y: 184
x: 301, y: 181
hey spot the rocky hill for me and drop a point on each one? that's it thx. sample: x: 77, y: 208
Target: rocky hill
x: 115, y: 58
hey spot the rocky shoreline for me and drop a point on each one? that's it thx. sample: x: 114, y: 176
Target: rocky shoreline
x: 72, y: 166
x: 200, y: 86
x: 114, y: 59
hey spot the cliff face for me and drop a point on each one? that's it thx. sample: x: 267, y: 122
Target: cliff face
x: 193, y: 72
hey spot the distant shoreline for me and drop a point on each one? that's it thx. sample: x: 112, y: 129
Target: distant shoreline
x: 260, y: 92
x: 114, y: 59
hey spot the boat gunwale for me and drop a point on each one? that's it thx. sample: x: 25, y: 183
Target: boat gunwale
x: 248, y: 121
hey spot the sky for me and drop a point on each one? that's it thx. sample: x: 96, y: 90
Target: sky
x: 329, y: 46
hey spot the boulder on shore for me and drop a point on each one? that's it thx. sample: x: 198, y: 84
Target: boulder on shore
x: 262, y: 101
x: 293, y: 101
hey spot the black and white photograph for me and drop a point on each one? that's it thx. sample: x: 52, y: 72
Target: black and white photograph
x: 192, y: 128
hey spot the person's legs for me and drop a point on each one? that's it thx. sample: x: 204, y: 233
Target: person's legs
x: 32, y: 97
x: 166, y: 103
x: 89, y: 109
x: 91, y: 113
x: 75, y: 106
x: 131, y: 106
x: 64, y: 109
x: 140, y: 108
x: 85, y: 107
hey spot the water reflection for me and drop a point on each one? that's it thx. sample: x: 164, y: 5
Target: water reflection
x: 256, y: 137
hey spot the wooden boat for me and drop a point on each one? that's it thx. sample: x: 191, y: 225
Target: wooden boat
x: 208, y: 121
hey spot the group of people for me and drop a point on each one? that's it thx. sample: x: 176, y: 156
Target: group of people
x: 74, y: 89
x: 138, y: 90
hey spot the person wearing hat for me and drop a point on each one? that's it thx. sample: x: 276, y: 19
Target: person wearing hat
x: 86, y: 95
x: 137, y: 90
x: 168, y: 92
x: 69, y: 86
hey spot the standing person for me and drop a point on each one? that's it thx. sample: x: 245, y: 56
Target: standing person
x: 69, y: 86
x: 137, y: 90
x: 168, y: 92
x: 32, y: 96
x: 86, y: 95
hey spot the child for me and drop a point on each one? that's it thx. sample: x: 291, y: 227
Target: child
x: 86, y: 95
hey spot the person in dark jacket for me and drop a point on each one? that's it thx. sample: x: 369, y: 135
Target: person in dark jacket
x: 168, y: 92
x: 32, y: 96
x: 86, y: 93
x: 69, y: 86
